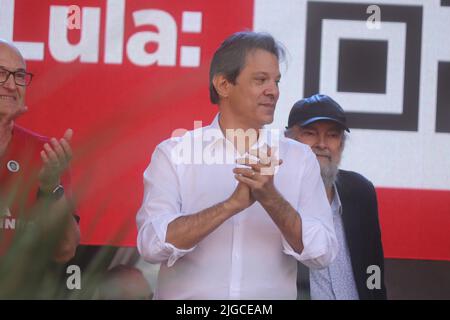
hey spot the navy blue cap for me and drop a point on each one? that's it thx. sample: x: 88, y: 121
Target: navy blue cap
x: 315, y: 108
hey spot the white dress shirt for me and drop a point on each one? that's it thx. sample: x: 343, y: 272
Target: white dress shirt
x: 246, y: 257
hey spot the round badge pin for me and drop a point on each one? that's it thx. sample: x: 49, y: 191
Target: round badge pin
x: 13, y: 166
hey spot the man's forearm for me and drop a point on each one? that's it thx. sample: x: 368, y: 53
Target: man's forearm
x: 57, y: 220
x: 287, y: 220
x: 186, y: 231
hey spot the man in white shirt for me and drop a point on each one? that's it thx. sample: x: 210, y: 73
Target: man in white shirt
x: 229, y: 208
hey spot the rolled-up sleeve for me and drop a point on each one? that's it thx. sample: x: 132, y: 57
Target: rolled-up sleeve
x: 160, y: 206
x: 320, y: 245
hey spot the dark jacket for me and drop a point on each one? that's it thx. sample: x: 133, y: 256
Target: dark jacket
x: 362, y: 230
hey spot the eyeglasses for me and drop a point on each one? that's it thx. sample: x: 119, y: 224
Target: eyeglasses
x: 21, y: 78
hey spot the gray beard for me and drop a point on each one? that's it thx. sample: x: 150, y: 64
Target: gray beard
x: 329, y: 174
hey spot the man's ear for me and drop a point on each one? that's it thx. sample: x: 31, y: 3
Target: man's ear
x: 222, y: 85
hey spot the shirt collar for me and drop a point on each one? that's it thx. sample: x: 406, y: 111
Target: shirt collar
x: 219, y: 138
x: 336, y: 205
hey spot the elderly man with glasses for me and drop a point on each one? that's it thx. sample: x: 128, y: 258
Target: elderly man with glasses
x: 34, y: 201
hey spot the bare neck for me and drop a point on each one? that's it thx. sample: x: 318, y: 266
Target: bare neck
x: 228, y: 121
x: 330, y: 193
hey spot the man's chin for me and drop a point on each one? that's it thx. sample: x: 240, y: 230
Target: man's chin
x: 328, y: 172
x: 269, y: 121
x: 324, y: 161
x: 266, y: 119
x: 7, y: 106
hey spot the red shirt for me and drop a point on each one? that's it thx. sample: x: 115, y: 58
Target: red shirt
x: 19, y: 184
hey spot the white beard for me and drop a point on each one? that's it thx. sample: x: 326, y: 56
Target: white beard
x: 329, y: 174
x: 329, y: 169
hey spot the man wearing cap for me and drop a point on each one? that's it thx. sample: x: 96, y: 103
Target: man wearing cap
x: 32, y: 180
x: 320, y: 122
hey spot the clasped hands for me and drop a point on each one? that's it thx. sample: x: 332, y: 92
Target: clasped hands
x: 256, y: 179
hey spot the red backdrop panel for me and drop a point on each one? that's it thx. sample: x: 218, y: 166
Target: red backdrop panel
x: 415, y: 223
